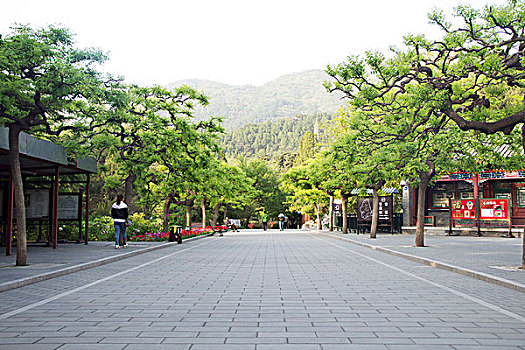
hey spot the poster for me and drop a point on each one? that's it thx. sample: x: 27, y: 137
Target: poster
x: 364, y: 209
x: 464, y: 209
x: 494, y: 209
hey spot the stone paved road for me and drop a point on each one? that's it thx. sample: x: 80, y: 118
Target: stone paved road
x: 260, y: 291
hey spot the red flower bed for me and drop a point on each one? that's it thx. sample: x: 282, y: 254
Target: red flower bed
x: 158, y: 236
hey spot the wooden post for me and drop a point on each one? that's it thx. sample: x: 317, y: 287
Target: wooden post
x: 86, y: 237
x: 40, y: 238
x: 54, y: 230
x: 450, y: 215
x: 9, y: 230
x: 475, y: 182
x: 79, y: 215
x: 478, y: 214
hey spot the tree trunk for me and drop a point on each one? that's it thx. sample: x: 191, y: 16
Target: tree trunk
x: 216, y: 214
x: 331, y: 214
x: 165, y: 220
x: 375, y: 212
x: 189, y: 205
x: 128, y: 191
x: 425, y: 178
x: 18, y: 188
x: 225, y: 212
x: 344, y: 200
x: 203, y: 210
x: 317, y: 209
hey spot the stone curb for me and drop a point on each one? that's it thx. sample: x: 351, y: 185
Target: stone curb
x: 80, y: 267
x: 434, y: 263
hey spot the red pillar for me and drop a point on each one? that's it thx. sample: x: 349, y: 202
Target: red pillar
x: 475, y: 182
x: 54, y: 232
x: 9, y: 228
x: 86, y: 237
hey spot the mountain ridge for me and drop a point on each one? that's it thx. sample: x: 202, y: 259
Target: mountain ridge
x: 289, y: 95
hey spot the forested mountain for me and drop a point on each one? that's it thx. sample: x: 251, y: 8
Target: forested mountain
x: 288, y: 96
x: 272, y: 139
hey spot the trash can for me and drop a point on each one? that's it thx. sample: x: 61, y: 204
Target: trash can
x: 176, y: 234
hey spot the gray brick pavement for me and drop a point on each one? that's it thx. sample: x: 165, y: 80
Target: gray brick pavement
x: 494, y: 256
x: 268, y: 290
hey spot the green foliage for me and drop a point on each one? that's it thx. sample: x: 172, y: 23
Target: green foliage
x: 47, y: 85
x: 272, y: 140
x: 266, y: 183
x: 301, y: 184
x: 308, y: 148
x: 142, y: 224
x: 101, y: 228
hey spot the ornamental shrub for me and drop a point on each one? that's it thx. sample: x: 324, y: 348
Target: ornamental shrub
x: 101, y: 228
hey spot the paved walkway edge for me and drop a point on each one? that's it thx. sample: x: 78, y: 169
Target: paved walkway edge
x: 67, y: 270
x: 434, y: 263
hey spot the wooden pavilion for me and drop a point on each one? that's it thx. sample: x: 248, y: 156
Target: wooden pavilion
x: 45, y: 166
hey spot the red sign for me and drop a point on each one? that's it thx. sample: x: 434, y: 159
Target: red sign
x: 463, y: 209
x: 494, y: 209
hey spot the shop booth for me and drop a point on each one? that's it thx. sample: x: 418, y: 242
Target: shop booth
x: 463, y: 187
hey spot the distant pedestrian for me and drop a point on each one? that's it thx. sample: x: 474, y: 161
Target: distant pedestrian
x: 264, y: 219
x: 281, y: 221
x: 119, y: 213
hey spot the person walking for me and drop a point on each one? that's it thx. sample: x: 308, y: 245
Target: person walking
x: 119, y: 213
x: 281, y: 221
x: 264, y: 219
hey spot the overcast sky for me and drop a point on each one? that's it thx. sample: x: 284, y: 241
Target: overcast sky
x: 231, y: 41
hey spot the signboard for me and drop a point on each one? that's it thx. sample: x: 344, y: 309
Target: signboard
x: 456, y: 176
x: 336, y: 207
x: 386, y: 208
x: 463, y: 209
x: 68, y: 207
x: 365, y: 208
x: 490, y: 209
x: 485, y: 175
x: 494, y: 209
x: 37, y: 204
